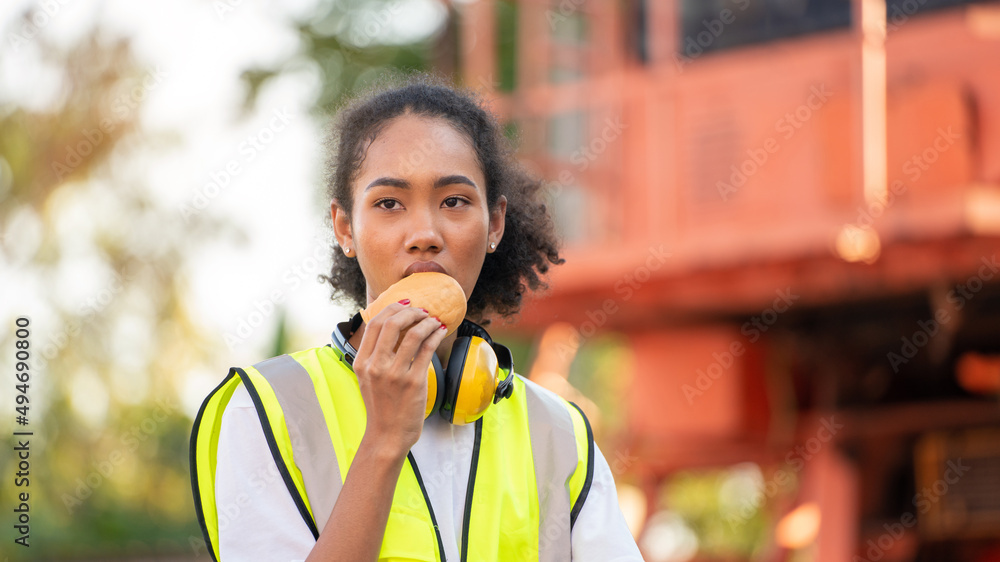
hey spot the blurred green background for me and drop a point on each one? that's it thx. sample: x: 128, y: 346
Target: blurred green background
x: 102, y: 160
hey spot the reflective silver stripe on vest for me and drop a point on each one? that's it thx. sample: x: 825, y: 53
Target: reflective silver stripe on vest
x: 312, y: 447
x: 554, y: 451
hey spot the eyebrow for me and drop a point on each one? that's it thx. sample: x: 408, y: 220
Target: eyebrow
x: 403, y: 184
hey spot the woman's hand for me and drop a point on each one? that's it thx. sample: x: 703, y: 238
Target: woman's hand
x: 392, y: 374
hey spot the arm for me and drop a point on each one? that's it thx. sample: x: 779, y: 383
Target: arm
x: 357, y: 525
x: 394, y: 387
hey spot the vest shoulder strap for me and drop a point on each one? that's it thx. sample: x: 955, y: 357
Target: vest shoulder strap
x: 287, y: 407
x: 304, y: 385
x: 562, y: 449
x: 311, y: 472
x: 553, y: 418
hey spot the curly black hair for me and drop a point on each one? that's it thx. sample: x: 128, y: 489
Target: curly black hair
x: 529, y: 241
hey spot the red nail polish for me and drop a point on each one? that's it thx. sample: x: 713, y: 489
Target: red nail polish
x: 425, y: 310
x: 404, y: 301
x: 443, y: 327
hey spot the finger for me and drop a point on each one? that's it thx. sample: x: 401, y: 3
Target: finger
x: 410, y: 343
x: 427, y: 346
x: 395, y: 327
x: 423, y: 335
x: 374, y: 328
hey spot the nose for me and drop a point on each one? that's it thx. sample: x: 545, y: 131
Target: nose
x: 424, y: 234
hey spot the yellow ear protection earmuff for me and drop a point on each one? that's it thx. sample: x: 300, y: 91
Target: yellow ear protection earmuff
x: 479, y: 373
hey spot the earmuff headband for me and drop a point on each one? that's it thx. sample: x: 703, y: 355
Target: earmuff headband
x: 340, y: 340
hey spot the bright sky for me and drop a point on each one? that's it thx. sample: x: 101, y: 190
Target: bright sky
x: 266, y: 165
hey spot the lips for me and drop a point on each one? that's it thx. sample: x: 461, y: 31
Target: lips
x: 423, y: 267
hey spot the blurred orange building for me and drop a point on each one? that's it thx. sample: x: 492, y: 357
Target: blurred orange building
x: 791, y: 210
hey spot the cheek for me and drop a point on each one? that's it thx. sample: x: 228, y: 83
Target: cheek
x: 371, y: 236
x: 470, y: 240
x: 373, y: 248
x: 473, y: 257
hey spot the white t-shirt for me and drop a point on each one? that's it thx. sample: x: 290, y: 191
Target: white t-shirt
x: 259, y: 521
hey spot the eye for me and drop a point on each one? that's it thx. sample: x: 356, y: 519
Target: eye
x: 453, y: 202
x: 387, y: 204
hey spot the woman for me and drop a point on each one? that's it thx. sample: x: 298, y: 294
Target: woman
x: 422, y: 181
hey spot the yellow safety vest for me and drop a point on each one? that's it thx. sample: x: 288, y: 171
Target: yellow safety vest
x: 532, y: 458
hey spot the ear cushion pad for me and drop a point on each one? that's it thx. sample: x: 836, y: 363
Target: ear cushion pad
x: 452, y: 379
x: 437, y: 371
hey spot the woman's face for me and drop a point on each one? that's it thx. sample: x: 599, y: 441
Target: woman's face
x: 419, y: 205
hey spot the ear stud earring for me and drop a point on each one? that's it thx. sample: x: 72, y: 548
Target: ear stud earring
x: 493, y: 246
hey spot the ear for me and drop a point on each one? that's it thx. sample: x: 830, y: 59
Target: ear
x: 498, y: 219
x: 342, y: 228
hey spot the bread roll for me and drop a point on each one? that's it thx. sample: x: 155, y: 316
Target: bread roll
x: 438, y: 293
